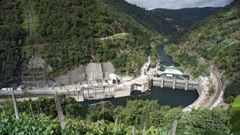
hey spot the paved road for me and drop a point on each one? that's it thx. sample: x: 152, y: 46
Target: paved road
x: 32, y: 93
x: 218, y: 87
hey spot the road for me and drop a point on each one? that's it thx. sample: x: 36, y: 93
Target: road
x: 218, y: 88
x: 33, y: 93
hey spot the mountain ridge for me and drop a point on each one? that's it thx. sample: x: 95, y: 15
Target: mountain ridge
x: 184, y: 18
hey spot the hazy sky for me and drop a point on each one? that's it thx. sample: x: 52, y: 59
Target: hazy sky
x: 176, y: 4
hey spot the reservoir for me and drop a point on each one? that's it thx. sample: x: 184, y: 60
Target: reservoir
x: 165, y: 96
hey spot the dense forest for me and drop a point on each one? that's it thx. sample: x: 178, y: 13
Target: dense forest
x: 12, y: 36
x: 215, y: 41
x: 40, y: 116
x: 68, y: 33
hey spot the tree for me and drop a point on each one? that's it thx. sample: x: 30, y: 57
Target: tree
x: 147, y: 113
x: 204, y: 121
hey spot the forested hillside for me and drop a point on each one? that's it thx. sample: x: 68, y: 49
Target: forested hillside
x: 144, y: 17
x: 214, y: 41
x: 68, y: 33
x: 12, y: 36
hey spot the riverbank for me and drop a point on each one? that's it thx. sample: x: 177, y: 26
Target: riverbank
x: 197, y: 67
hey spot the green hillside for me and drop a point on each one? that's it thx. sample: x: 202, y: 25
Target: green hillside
x: 144, y: 17
x: 215, y: 41
x: 67, y: 33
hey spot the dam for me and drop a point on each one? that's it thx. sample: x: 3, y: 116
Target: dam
x: 105, y: 92
x: 100, y: 90
x: 146, y: 83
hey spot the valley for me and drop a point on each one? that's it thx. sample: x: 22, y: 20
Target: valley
x: 111, y: 67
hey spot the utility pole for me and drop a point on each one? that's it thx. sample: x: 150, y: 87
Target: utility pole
x: 174, y: 128
x: 144, y: 128
x: 59, y: 111
x: 44, y: 74
x: 116, y: 121
x: 15, y: 106
x: 33, y: 75
x: 133, y: 130
x: 30, y: 105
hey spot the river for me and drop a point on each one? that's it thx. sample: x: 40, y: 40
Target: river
x: 165, y: 59
x: 165, y: 96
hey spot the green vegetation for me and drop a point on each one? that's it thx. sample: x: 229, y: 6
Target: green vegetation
x: 46, y: 106
x: 144, y: 116
x: 27, y: 125
x: 215, y: 41
x: 233, y: 89
x: 68, y: 33
x: 148, y: 113
x: 236, y: 103
x: 30, y: 125
x: 235, y: 116
x: 205, y: 122
x: 190, y: 62
x: 144, y: 17
x: 12, y: 36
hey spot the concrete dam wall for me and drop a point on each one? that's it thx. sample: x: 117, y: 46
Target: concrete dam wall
x: 104, y: 92
x: 92, y: 72
x: 177, y: 84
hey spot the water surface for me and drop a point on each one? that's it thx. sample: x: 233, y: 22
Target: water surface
x: 164, y: 96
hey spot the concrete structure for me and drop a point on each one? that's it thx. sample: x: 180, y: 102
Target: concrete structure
x: 90, y: 92
x: 142, y: 85
x: 92, y: 72
x: 36, y: 75
x: 98, y: 72
x: 177, y: 84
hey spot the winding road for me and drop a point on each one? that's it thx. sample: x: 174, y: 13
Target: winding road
x: 218, y: 88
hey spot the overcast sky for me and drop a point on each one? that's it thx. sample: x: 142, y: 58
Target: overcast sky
x: 176, y: 4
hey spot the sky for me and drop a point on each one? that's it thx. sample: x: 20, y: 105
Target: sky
x: 177, y: 4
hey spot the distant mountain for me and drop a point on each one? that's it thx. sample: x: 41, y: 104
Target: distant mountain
x: 184, y: 18
x: 144, y: 17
